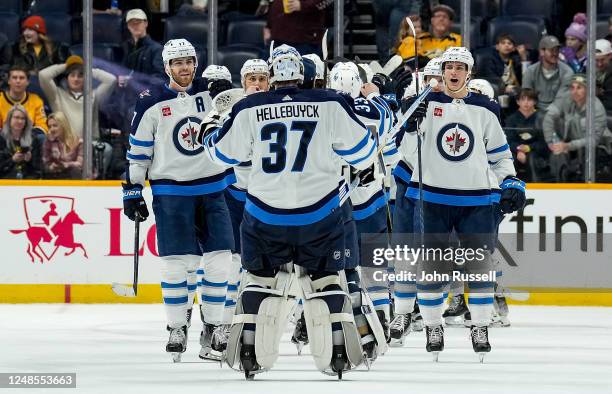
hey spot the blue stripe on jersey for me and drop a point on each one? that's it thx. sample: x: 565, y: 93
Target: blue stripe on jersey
x: 236, y: 193
x: 224, y: 158
x: 292, y: 217
x: 137, y: 157
x: 383, y: 114
x: 429, y: 302
x: 368, y: 208
x: 464, y: 198
x: 213, y: 300
x: 479, y: 300
x: 166, y: 285
x: 401, y: 294
x: 384, y: 301
x: 367, y: 156
x: 213, y: 284
x: 212, y: 184
x: 390, y: 152
x: 357, y: 147
x: 136, y: 142
x: 497, y: 150
x: 175, y: 300
x: 402, y: 171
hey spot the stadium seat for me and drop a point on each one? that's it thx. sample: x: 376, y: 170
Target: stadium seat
x: 602, y: 25
x: 107, y: 29
x: 475, y: 36
x: 604, y: 6
x: 525, y: 30
x: 59, y: 27
x: 543, y: 8
x: 192, y: 28
x: 11, y: 6
x: 482, y: 8
x: 108, y: 52
x: 246, y: 32
x: 51, y: 6
x: 10, y: 25
x: 479, y: 59
x: 233, y: 58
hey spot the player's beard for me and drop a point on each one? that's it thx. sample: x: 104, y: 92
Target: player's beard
x: 183, y: 81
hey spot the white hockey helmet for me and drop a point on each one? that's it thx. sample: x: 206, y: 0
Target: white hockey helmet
x: 254, y: 66
x: 457, y: 54
x: 178, y: 48
x: 215, y: 72
x: 344, y: 77
x: 368, y: 71
x: 481, y: 86
x: 286, y: 64
x: 433, y: 68
x: 319, y: 65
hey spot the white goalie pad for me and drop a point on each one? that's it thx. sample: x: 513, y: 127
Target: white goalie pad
x: 367, y: 308
x: 270, y: 320
x: 319, y: 322
x: 225, y: 100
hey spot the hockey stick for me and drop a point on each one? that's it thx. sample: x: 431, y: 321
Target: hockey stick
x: 123, y: 290
x: 325, y: 55
x: 404, y: 117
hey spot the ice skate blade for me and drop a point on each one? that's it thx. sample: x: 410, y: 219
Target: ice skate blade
x: 434, y: 356
x: 176, y: 357
x: 211, y: 355
x: 454, y: 321
x: 396, y: 342
x: 481, y: 357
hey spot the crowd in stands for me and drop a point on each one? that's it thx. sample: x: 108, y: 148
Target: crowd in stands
x: 540, y: 84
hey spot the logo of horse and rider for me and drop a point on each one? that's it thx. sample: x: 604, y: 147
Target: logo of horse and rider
x: 50, y: 221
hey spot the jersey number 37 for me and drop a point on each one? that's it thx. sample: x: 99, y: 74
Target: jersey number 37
x: 277, y: 133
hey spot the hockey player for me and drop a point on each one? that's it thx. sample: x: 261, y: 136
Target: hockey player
x: 193, y: 224
x: 292, y: 215
x: 319, y: 80
x: 462, y: 135
x: 407, y: 312
x: 369, y: 208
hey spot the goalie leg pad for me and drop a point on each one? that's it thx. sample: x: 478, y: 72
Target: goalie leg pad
x: 327, y: 309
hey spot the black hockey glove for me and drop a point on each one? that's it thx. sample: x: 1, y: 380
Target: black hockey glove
x: 366, y: 176
x: 217, y: 86
x: 401, y: 82
x: 419, y: 113
x: 512, y: 195
x: 133, y: 203
x: 383, y: 82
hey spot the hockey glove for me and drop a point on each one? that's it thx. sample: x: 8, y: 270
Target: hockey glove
x: 366, y: 176
x: 401, y: 82
x: 383, y: 83
x: 512, y: 195
x: 217, y: 86
x: 419, y: 113
x: 133, y: 203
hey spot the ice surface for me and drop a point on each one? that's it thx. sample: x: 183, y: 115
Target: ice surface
x: 120, y: 348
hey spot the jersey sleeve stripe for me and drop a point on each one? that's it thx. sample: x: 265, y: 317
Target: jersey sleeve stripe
x: 356, y: 148
x: 353, y: 162
x: 137, y: 142
x: 138, y: 157
x: 497, y: 150
x: 224, y: 158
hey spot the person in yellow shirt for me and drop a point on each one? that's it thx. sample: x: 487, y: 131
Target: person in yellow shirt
x: 405, y: 40
x: 432, y: 44
x: 18, y: 82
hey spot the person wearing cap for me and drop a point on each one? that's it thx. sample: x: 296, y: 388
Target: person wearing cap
x: 549, y: 77
x: 574, y: 51
x: 141, y: 53
x: 440, y: 37
x: 69, y: 99
x: 603, y: 54
x: 35, y: 50
x: 565, y: 132
x: 504, y: 64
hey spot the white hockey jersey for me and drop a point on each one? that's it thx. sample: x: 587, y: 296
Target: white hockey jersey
x: 164, y: 143
x: 291, y: 137
x: 465, y: 154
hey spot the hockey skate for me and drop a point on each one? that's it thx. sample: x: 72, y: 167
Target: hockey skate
x: 399, y: 328
x: 435, y: 340
x: 300, y: 334
x: 467, y: 319
x: 417, y: 320
x: 248, y: 362
x: 455, y: 313
x: 500, y: 314
x: 214, y: 341
x: 480, y: 341
x: 177, y: 343
x: 339, y: 361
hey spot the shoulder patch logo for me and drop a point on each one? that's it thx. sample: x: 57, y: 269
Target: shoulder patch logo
x: 166, y: 111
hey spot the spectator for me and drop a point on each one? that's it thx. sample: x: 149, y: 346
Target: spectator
x: 300, y: 24
x: 435, y: 42
x: 107, y: 6
x: 574, y: 51
x: 603, y: 54
x: 69, y: 99
x: 503, y: 65
x: 17, y: 93
x: 548, y: 77
x: 140, y: 52
x: 524, y: 132
x: 191, y: 7
x: 19, y: 150
x: 609, y: 35
x: 6, y: 55
x: 405, y: 40
x: 565, y: 131
x: 62, y: 152
x: 388, y: 17
x: 35, y: 50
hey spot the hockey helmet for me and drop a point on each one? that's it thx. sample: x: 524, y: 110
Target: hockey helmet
x: 215, y: 72
x: 481, y: 86
x: 178, y: 48
x: 319, y: 65
x: 285, y: 64
x: 254, y: 66
x: 344, y: 77
x: 433, y: 68
x: 458, y: 54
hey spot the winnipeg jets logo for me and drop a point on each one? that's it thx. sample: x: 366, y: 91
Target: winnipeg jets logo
x: 455, y: 142
x: 185, y: 136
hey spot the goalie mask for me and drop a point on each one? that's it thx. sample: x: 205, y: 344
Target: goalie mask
x: 176, y: 49
x: 286, y: 65
x: 344, y: 77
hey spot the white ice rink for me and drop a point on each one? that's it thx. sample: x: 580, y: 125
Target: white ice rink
x: 120, y: 349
